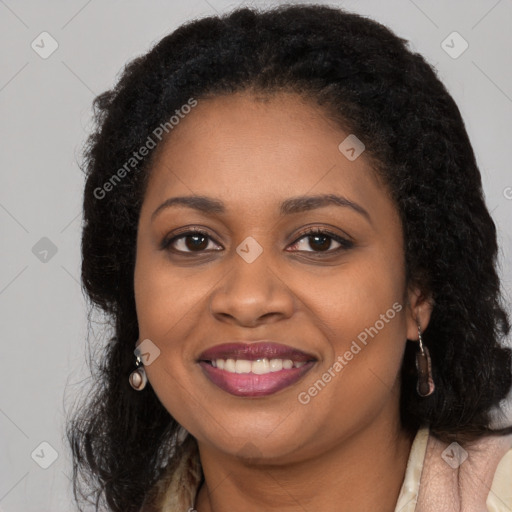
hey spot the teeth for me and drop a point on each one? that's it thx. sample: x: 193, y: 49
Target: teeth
x: 243, y: 366
x: 258, y: 367
x: 229, y: 365
x: 287, y: 364
x: 276, y: 365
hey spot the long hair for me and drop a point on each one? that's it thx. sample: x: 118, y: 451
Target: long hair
x: 373, y: 85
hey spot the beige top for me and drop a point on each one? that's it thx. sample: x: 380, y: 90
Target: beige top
x: 438, y: 478
x: 452, y: 460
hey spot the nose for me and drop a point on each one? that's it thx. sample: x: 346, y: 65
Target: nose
x: 251, y: 294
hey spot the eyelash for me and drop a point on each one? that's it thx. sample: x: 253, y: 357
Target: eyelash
x: 344, y: 243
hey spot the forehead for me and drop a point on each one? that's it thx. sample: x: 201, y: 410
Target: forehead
x: 244, y: 148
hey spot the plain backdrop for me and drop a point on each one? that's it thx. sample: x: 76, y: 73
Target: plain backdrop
x: 45, y: 116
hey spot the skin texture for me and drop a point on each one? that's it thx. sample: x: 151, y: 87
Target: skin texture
x: 345, y: 449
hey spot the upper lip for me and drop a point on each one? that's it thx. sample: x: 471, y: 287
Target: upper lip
x: 253, y: 351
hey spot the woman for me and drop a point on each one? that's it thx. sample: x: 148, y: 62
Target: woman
x: 285, y: 222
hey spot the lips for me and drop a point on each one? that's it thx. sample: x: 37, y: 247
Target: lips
x: 255, y: 369
x: 254, y: 351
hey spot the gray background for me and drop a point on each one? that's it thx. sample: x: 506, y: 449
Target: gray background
x: 45, y: 116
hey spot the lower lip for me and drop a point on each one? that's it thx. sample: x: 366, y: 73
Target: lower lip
x: 251, y: 384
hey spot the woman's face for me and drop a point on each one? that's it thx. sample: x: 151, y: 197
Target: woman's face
x: 340, y: 297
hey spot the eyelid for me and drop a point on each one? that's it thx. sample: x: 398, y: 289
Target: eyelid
x: 345, y: 243
x: 182, y: 233
x: 311, y: 230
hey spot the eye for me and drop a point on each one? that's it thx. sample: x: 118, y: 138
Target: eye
x: 320, y: 241
x: 197, y: 240
x: 193, y: 240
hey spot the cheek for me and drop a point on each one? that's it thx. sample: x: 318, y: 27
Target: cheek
x: 368, y: 290
x: 361, y: 313
x: 164, y: 302
x: 164, y: 296
x: 154, y: 291
x: 359, y: 379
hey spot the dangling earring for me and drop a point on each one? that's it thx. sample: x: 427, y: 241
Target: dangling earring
x: 138, y: 377
x: 425, y: 385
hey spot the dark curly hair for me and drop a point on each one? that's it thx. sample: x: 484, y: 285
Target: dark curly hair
x: 373, y: 85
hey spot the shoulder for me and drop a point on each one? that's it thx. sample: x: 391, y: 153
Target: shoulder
x: 176, y: 489
x: 500, y: 495
x: 477, y: 476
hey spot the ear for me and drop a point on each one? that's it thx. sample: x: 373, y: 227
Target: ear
x: 418, y: 310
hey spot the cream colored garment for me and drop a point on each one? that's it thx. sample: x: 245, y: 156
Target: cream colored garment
x: 434, y: 481
x: 445, y: 478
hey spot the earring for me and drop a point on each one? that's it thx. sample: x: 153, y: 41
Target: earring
x: 425, y: 386
x: 138, y: 378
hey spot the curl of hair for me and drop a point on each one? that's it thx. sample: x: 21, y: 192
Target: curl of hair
x: 367, y: 79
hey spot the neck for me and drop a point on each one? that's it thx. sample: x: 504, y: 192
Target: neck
x: 363, y: 472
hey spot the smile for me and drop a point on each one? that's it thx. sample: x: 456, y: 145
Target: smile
x: 259, y: 367
x: 252, y: 370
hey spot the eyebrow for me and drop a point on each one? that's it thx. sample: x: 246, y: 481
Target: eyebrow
x: 289, y: 206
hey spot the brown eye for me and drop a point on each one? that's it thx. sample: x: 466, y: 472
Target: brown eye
x: 190, y: 241
x: 320, y: 241
x: 195, y: 242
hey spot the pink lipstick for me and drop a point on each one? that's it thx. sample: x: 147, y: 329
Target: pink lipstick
x: 254, y: 369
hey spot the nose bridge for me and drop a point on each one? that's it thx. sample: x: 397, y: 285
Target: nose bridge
x: 251, y: 289
x: 252, y: 274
